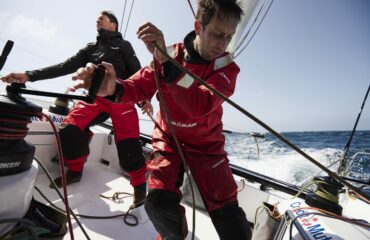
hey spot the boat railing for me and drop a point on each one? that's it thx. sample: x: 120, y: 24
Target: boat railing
x: 266, y: 181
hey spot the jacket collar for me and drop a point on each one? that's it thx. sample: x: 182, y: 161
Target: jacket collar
x: 105, y: 35
x: 191, y: 55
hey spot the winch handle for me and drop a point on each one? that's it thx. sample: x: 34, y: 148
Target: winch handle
x: 7, y: 48
x: 97, y: 79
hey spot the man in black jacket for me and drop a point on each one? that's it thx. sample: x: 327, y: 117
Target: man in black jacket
x: 74, y: 131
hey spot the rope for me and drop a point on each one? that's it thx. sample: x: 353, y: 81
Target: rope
x: 325, y: 194
x: 16, y: 123
x: 320, y: 191
x: 116, y: 196
x: 63, y: 176
x: 303, y: 188
x: 125, y: 215
x: 178, y: 146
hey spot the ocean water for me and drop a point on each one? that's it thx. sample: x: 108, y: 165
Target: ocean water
x: 269, y: 156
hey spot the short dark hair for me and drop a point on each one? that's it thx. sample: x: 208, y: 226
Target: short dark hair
x: 112, y: 17
x: 223, y: 9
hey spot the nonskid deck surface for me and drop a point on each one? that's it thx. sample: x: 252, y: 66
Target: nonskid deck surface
x: 99, y: 179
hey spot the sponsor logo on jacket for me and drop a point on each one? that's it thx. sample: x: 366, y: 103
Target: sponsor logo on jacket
x: 184, y: 125
x: 224, y: 76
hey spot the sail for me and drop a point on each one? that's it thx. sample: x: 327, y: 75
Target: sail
x: 254, y: 13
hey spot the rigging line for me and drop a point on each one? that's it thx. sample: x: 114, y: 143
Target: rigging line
x: 343, y: 166
x: 174, y: 136
x: 128, y: 19
x: 191, y: 7
x: 30, y: 52
x: 262, y: 124
x: 123, y: 16
x: 268, y: 8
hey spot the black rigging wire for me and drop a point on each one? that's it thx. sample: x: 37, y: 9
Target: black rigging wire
x: 128, y: 19
x: 127, y: 215
x: 191, y: 7
x: 123, y: 16
x: 30, y: 52
x: 343, y: 166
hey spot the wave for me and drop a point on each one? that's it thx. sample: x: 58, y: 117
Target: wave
x: 269, y: 156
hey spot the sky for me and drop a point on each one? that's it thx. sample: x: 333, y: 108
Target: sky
x: 307, y: 68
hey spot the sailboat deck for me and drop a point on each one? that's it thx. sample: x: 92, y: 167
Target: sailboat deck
x: 99, y: 179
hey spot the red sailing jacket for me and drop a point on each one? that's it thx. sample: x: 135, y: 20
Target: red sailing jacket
x: 194, y: 111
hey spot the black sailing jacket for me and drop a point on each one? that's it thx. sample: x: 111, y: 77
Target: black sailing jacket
x: 109, y: 47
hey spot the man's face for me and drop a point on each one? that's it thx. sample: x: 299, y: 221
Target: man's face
x: 212, y: 40
x: 103, y: 22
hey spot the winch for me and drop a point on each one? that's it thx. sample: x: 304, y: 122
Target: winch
x: 18, y: 171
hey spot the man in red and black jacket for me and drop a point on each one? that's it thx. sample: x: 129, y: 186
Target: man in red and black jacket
x: 194, y: 113
x: 74, y: 131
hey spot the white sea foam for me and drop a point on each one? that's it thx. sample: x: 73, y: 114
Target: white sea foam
x: 278, y: 161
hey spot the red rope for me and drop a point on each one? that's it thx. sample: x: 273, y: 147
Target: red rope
x: 63, y: 175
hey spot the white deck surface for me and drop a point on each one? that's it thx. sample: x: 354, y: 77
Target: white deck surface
x: 84, y: 199
x: 102, y: 179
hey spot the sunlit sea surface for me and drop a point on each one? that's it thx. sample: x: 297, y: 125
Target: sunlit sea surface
x: 268, y: 155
